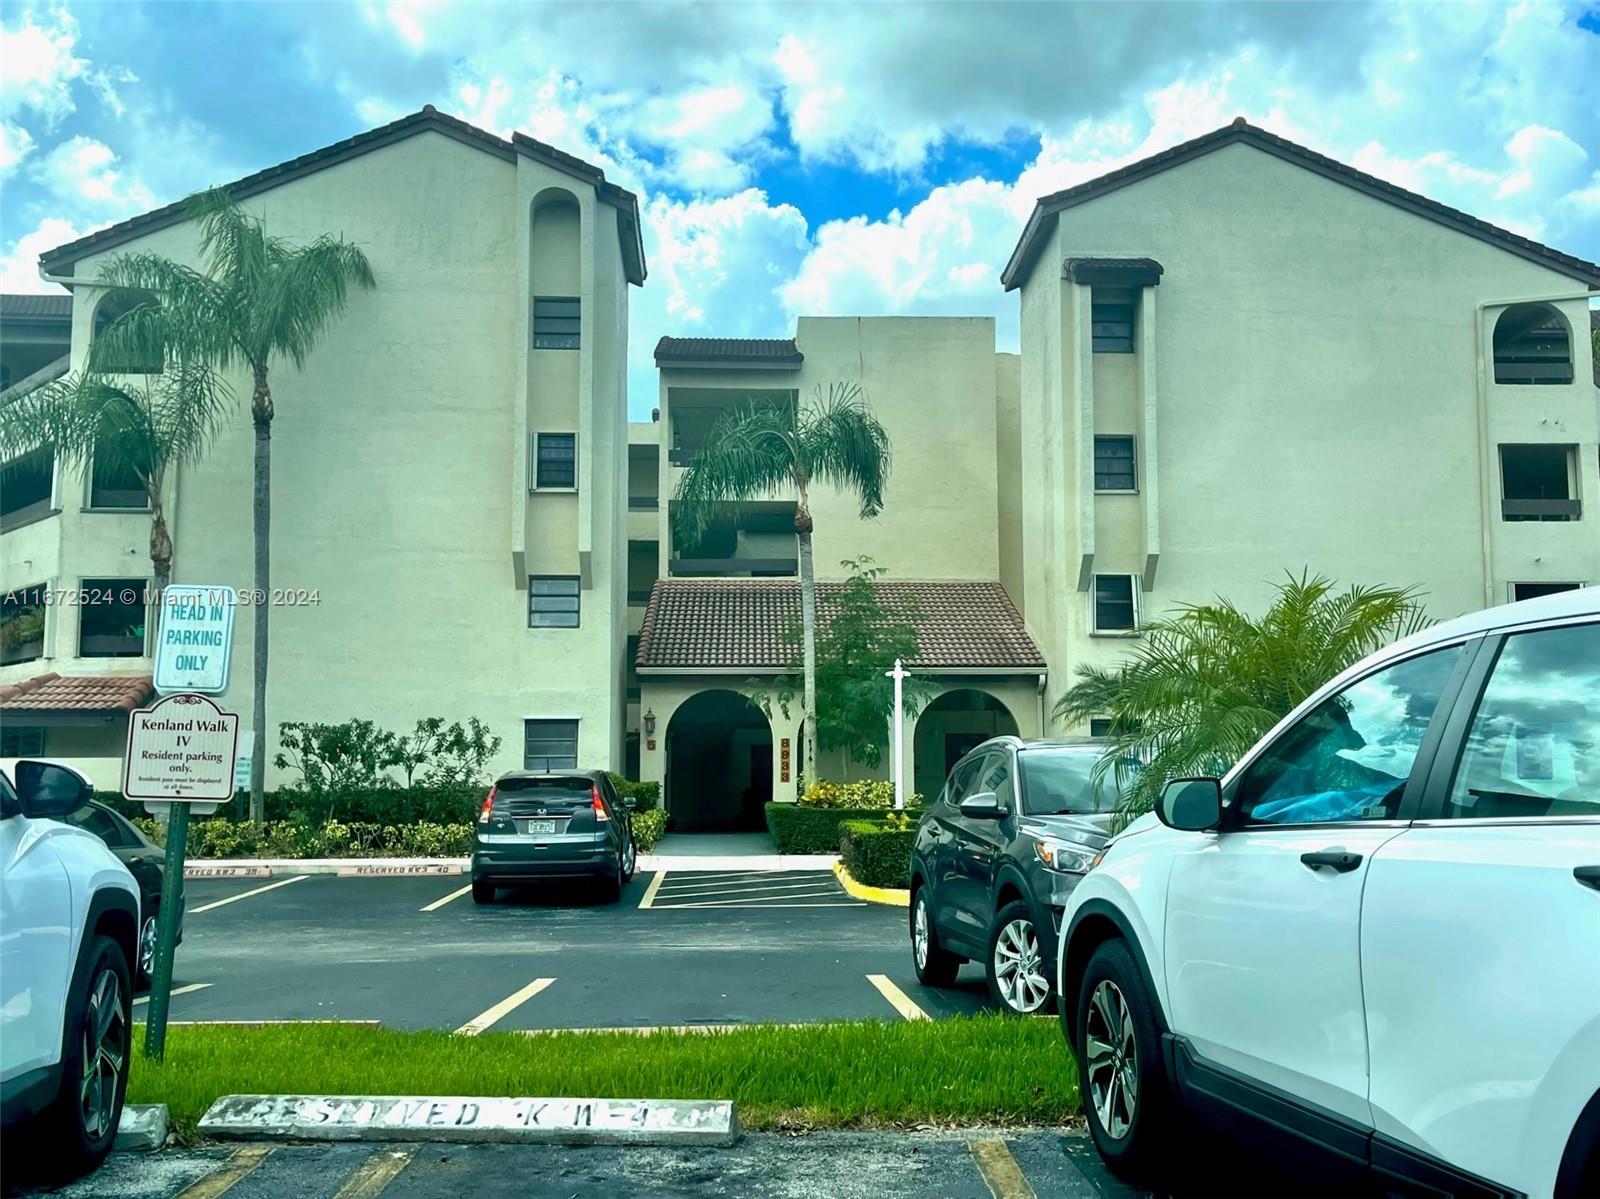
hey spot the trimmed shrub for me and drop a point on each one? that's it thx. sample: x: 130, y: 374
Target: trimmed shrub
x: 799, y: 828
x: 878, y: 854
x: 456, y: 804
x: 217, y: 837
x: 648, y: 826
x: 877, y: 794
x: 647, y: 796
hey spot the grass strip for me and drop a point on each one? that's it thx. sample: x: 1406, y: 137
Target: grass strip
x: 986, y: 1069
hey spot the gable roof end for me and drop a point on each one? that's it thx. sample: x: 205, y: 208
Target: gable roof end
x: 1041, y: 221
x: 63, y: 259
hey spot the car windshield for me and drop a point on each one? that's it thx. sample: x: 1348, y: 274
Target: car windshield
x: 1060, y: 782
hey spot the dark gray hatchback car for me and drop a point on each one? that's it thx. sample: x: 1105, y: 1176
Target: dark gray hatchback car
x: 997, y: 854
x: 545, y: 826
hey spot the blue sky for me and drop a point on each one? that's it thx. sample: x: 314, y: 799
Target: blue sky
x: 798, y: 158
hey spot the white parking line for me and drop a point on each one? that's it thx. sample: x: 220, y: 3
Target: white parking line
x: 755, y: 903
x: 439, y: 903
x: 900, y: 1001
x: 299, y: 878
x: 504, y: 1008
x: 774, y: 889
x: 184, y: 990
x: 650, y: 891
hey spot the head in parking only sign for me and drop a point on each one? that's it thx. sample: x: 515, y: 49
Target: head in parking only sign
x: 195, y: 640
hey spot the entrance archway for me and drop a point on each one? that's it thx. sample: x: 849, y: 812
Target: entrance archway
x: 950, y: 726
x: 719, y: 763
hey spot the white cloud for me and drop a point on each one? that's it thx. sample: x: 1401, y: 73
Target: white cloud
x: 19, y: 268
x: 40, y: 64
x: 83, y: 173
x: 16, y: 143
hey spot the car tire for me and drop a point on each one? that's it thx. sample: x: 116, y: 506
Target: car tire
x: 935, y: 966
x: 1019, y: 978
x: 78, y: 1129
x: 611, y: 884
x: 1132, y: 1132
x: 630, y: 859
x: 483, y: 890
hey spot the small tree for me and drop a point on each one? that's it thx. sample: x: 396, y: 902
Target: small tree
x: 763, y: 449
x: 336, y: 759
x: 860, y: 638
x: 148, y: 429
x: 1203, y: 686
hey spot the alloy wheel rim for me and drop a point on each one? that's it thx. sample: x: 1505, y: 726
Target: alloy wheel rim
x: 1111, y: 1059
x: 1018, y: 970
x: 919, y: 933
x: 147, y: 946
x: 105, y: 1055
x: 629, y: 857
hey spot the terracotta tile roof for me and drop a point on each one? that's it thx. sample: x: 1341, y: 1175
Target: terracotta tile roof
x: 1240, y: 130
x: 60, y: 259
x: 76, y: 693
x: 729, y: 351
x: 741, y: 624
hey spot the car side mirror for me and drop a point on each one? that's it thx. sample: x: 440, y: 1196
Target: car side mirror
x: 1191, y: 805
x: 982, y: 805
x: 630, y: 802
x: 48, y: 791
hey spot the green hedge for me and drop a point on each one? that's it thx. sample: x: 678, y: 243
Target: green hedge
x: 877, y: 855
x: 218, y: 837
x: 647, y: 796
x: 797, y: 828
x: 648, y: 826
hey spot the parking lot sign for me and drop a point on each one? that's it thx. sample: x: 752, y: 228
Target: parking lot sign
x: 194, y: 645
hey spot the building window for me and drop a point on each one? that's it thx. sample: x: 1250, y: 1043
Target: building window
x: 111, y: 618
x: 553, y: 603
x: 21, y: 741
x: 1532, y: 345
x: 25, y: 487
x: 1100, y: 726
x: 555, y: 323
x: 22, y: 627
x: 147, y: 360
x: 550, y: 745
x: 1113, y: 464
x: 114, y: 483
x: 1111, y: 319
x: 1116, y: 603
x: 555, y: 460
x: 1526, y: 591
x: 1539, y: 482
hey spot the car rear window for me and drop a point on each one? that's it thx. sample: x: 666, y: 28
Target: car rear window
x: 1056, y: 782
x: 571, y: 791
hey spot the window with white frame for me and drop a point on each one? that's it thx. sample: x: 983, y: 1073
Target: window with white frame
x: 21, y: 741
x: 1114, y: 604
x: 549, y: 745
x: 1527, y: 591
x: 111, y: 618
x: 1112, y: 316
x: 553, y: 602
x: 1114, y: 468
x: 555, y: 461
x: 556, y: 322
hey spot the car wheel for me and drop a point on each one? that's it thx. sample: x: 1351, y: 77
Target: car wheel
x: 630, y: 858
x: 146, y: 969
x: 1019, y: 978
x: 611, y: 884
x: 1120, y: 1072
x: 483, y: 890
x: 81, y: 1125
x: 936, y: 967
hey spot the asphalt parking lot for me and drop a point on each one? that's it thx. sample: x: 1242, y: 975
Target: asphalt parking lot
x: 689, y: 948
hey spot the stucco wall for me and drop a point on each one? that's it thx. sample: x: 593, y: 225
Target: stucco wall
x: 398, y: 464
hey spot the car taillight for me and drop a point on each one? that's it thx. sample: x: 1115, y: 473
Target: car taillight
x: 600, y: 813
x: 488, y: 806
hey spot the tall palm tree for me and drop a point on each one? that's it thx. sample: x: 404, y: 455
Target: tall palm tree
x: 762, y: 449
x: 147, y: 429
x: 1204, y: 685
x: 258, y: 301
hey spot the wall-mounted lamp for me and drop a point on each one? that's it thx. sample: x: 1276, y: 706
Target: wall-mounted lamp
x: 649, y: 722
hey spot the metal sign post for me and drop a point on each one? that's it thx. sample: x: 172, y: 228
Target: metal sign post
x: 899, y: 674
x: 181, y: 754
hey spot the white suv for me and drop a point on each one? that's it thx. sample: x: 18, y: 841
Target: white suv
x: 1379, y: 934
x: 69, y: 919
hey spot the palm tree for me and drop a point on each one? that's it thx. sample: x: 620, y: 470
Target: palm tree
x: 147, y: 430
x: 762, y: 449
x: 1205, y: 684
x: 259, y: 300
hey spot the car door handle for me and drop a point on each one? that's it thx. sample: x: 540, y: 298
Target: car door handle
x: 1338, y: 859
x: 1589, y: 876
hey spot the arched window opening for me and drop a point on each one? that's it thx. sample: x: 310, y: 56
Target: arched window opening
x: 1532, y: 344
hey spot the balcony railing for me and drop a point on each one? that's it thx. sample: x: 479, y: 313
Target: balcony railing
x: 644, y: 503
x: 735, y: 566
x: 1541, y: 509
x: 639, y: 597
x: 680, y: 457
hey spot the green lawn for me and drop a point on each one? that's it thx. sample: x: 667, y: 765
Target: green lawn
x: 987, y: 1069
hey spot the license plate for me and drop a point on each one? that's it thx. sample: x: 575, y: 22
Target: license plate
x: 538, y: 826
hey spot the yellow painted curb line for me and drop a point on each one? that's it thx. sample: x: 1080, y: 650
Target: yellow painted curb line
x: 892, y: 896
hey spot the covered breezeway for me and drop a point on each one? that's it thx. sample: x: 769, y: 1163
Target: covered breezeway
x: 718, y: 763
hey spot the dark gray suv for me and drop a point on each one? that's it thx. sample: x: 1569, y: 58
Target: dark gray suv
x: 1016, y: 826
x: 545, y: 826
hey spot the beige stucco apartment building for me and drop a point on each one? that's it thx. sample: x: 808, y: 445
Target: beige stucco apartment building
x: 1238, y: 358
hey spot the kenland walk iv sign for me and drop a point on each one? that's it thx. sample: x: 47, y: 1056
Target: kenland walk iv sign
x: 195, y: 640
x: 182, y: 749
